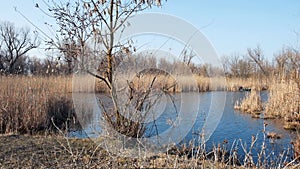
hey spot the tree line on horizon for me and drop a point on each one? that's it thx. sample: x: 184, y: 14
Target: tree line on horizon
x: 15, y: 43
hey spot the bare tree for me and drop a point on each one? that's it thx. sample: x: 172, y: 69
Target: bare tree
x: 187, y: 56
x: 234, y: 65
x: 95, y: 22
x: 226, y: 64
x: 288, y: 63
x: 15, y: 43
x: 257, y: 56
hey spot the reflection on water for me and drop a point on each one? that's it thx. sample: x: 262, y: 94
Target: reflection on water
x: 232, y: 127
x: 235, y: 126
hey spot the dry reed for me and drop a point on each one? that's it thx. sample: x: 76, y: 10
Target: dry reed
x: 27, y: 104
x: 251, y: 104
x: 284, y: 102
x: 194, y: 83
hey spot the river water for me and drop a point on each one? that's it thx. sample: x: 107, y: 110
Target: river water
x: 231, y: 126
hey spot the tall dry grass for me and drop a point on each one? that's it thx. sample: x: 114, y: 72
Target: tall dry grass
x: 194, y: 83
x: 284, y: 102
x: 28, y: 104
x: 204, y: 84
x: 251, y: 104
x: 259, y: 84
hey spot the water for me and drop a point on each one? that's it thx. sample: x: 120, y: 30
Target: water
x: 236, y: 126
x: 233, y: 126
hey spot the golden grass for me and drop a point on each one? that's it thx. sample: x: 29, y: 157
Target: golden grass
x: 251, y: 104
x: 284, y: 99
x: 284, y: 102
x: 204, y: 84
x: 193, y: 83
x: 27, y: 104
x: 233, y: 84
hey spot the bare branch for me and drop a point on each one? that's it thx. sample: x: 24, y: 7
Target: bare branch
x: 256, y: 55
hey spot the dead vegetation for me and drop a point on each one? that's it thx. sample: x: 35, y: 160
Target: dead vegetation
x: 284, y: 102
x: 251, y: 104
x: 284, y: 89
x: 27, y: 104
x: 58, y: 151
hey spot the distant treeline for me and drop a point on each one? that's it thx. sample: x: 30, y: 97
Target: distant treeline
x: 69, y: 57
x: 284, y: 65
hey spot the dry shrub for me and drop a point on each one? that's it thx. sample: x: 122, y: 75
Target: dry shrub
x: 27, y: 104
x: 251, y: 103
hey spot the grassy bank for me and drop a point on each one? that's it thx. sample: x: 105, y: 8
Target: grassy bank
x: 41, y: 151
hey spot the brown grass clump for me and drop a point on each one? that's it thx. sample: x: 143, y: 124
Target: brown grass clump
x: 27, y: 104
x: 284, y: 102
x: 205, y: 84
x: 251, y: 103
x: 24, y: 151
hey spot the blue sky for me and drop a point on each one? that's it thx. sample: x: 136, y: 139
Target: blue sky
x: 232, y: 26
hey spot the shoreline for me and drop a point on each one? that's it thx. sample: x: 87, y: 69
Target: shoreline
x: 55, y: 151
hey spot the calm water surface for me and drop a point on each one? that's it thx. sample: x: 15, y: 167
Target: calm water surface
x: 234, y: 126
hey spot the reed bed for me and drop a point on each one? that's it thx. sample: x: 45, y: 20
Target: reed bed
x: 193, y: 83
x: 204, y: 84
x: 284, y: 102
x: 32, y: 104
x: 250, y: 104
x: 234, y: 84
